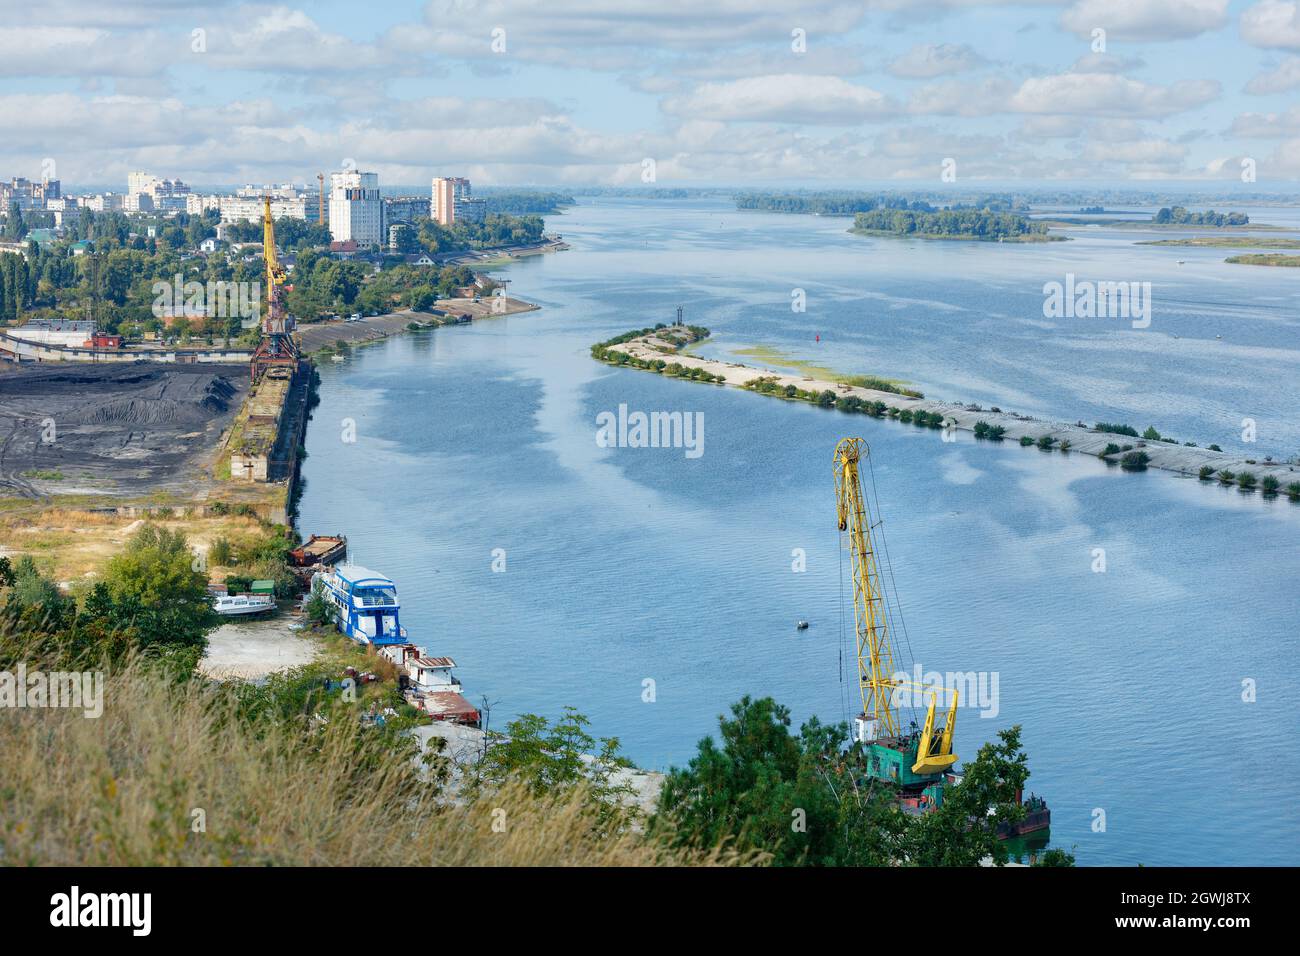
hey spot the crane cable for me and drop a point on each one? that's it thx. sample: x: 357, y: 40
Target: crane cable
x: 893, y: 585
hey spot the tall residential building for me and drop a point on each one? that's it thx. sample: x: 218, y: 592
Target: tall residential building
x: 356, y: 211
x: 247, y: 206
x: 446, y: 193
x: 164, y: 195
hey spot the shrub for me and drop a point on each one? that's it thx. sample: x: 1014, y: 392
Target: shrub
x: 905, y: 415
x: 1151, y: 434
x: 996, y: 432
x: 1110, y: 449
x: 1045, y: 442
x: 1026, y: 441
x: 1065, y: 444
x: 1246, y: 481
x: 1115, y: 429
x: 826, y: 399
x: 1206, y: 472
x: 1215, y: 448
x: 1293, y: 491
x: 1226, y: 477
x: 791, y: 391
x: 1268, y: 484
x: 220, y: 552
x: 1135, y: 461
x: 982, y: 429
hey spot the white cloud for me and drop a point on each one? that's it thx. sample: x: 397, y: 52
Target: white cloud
x: 1102, y: 94
x: 1272, y: 24
x: 1106, y: 63
x: 1145, y: 19
x: 927, y: 60
x: 1268, y: 125
x: 787, y: 98
x: 1285, y: 76
x: 962, y: 97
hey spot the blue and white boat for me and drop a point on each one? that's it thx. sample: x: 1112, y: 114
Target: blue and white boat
x: 364, y: 603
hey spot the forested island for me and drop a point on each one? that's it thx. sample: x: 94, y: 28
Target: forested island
x: 827, y: 203
x: 525, y: 202
x: 978, y: 224
x: 1180, y: 216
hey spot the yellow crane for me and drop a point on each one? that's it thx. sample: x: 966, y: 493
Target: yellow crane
x: 893, y: 751
x: 276, y: 346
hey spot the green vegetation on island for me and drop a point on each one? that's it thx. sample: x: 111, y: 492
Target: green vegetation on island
x: 1265, y: 259
x: 977, y: 224
x: 1181, y: 216
x: 1229, y: 242
x: 828, y: 203
x: 674, y: 339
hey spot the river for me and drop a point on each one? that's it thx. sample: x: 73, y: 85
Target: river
x: 651, y: 588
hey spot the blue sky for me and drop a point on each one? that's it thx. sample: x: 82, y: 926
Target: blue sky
x: 585, y: 91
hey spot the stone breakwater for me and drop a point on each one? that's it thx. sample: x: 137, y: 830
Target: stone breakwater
x: 1164, y: 455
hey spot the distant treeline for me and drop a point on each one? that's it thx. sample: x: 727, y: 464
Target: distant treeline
x: 828, y: 204
x: 525, y: 202
x: 972, y: 223
x: 1179, y: 216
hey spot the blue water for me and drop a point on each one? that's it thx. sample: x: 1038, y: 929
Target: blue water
x: 628, y: 565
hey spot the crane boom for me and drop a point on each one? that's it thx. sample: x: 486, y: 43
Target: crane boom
x: 928, y: 753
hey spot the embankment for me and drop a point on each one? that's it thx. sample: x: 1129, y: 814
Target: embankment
x: 665, y: 345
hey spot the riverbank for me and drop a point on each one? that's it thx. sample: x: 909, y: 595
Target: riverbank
x: 666, y: 345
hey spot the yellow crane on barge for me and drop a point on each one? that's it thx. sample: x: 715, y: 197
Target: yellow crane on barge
x: 914, y: 759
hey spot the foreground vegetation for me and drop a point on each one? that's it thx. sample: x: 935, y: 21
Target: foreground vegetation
x: 1264, y: 259
x: 307, y: 769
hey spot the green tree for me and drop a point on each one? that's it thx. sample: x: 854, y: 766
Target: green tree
x: 158, y: 590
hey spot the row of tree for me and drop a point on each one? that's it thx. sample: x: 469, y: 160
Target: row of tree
x: 972, y: 223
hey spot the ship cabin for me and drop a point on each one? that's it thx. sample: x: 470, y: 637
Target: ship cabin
x: 364, y: 604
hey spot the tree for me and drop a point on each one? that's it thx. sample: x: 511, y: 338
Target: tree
x: 557, y: 759
x: 156, y: 588
x: 804, y: 800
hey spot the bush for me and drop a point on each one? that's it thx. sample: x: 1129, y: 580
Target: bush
x: 905, y: 415
x: 1026, y: 441
x: 1115, y: 429
x: 1206, y: 472
x: 1065, y: 444
x: 826, y: 399
x: 1293, y: 491
x: 1151, y: 434
x: 220, y: 552
x: 1268, y: 484
x: 1135, y: 461
x: 1045, y: 442
x: 1246, y: 481
x: 982, y: 429
x: 1226, y: 477
x: 1215, y: 448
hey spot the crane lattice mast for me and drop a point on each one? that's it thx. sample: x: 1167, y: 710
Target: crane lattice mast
x: 877, y: 679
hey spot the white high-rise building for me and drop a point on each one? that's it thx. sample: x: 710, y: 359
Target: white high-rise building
x: 356, y: 211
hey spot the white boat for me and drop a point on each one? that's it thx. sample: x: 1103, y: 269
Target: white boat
x: 232, y: 605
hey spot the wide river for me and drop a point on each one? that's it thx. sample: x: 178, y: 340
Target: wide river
x: 651, y: 589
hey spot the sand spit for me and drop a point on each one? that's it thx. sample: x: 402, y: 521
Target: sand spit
x: 1163, y: 455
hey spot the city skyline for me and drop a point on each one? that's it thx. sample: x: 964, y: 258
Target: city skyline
x: 801, y: 93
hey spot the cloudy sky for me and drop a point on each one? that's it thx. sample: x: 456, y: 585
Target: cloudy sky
x: 796, y: 92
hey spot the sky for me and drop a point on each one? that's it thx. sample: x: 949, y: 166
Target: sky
x: 689, y: 92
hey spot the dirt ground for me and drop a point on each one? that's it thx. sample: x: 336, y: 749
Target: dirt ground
x: 114, y: 429
x: 251, y: 649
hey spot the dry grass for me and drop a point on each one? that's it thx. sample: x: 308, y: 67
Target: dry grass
x: 122, y: 790
x: 72, y: 545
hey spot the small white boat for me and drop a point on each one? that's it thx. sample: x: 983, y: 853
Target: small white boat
x: 801, y: 626
x: 235, y: 604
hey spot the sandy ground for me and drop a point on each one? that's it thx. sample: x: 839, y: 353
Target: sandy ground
x: 1083, y: 439
x: 253, y: 648
x: 317, y: 335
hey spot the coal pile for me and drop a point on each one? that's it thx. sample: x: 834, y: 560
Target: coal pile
x: 113, y: 429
